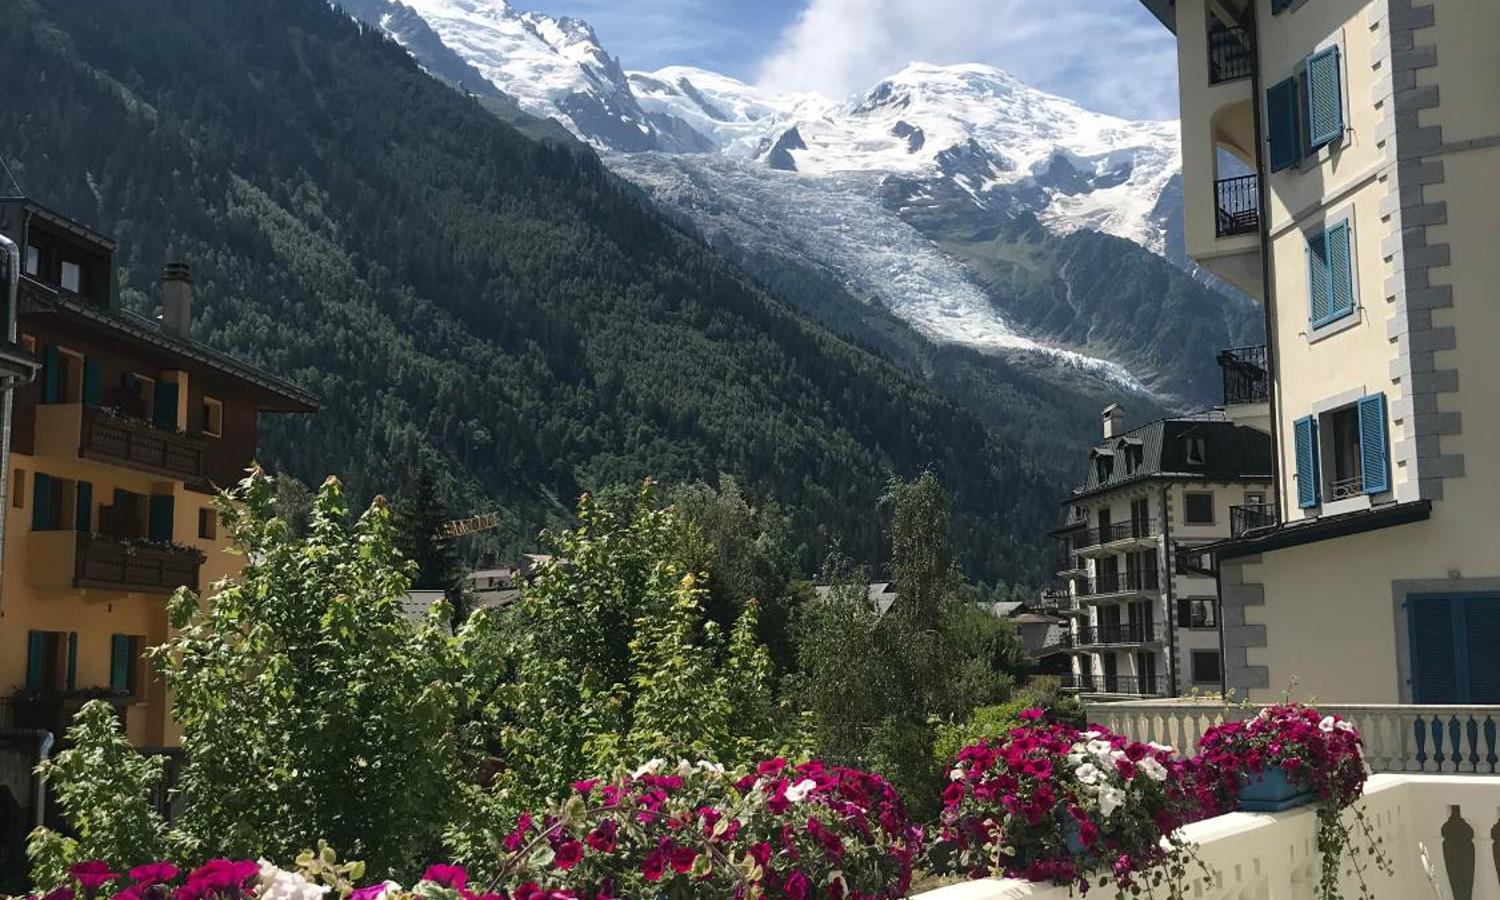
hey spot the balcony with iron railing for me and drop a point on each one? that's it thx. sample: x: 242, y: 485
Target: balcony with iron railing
x: 1092, y: 540
x: 1237, y: 205
x: 1118, y: 633
x: 1124, y: 685
x: 1247, y: 377
x: 1115, y: 583
x: 1251, y: 517
x: 1230, y: 54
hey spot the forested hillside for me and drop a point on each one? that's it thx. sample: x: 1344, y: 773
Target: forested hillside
x: 446, y: 282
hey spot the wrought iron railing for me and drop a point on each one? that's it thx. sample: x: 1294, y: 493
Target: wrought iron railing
x: 1108, y: 534
x: 1098, y: 683
x: 1054, y: 600
x: 1247, y: 377
x: 1229, y: 54
x: 1345, y: 488
x: 1121, y: 633
x: 1237, y: 205
x: 1251, y: 516
x: 1124, y: 582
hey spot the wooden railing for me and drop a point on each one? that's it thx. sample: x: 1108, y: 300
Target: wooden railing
x: 126, y: 441
x: 115, y: 564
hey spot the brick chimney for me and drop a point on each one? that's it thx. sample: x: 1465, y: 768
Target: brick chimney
x: 177, y: 299
x: 1114, y: 421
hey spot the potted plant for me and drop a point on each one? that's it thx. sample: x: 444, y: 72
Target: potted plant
x: 1050, y: 802
x: 1290, y: 755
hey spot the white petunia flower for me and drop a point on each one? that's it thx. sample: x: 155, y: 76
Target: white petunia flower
x: 957, y: 774
x: 1110, y: 799
x: 710, y: 767
x: 799, y: 791
x: 1160, y: 747
x: 276, y: 884
x: 1100, y: 748
x: 1091, y: 734
x: 1344, y: 726
x: 1153, y: 769
x: 1088, y: 773
x: 650, y: 768
x: 1326, y: 726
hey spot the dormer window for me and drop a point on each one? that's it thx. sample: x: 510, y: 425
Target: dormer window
x: 1195, y: 451
x: 71, y: 278
x: 1134, y: 455
x: 1106, y: 467
x: 33, y: 260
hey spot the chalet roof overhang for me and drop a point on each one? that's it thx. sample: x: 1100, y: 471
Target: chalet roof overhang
x: 1165, y: 12
x: 58, y: 220
x: 272, y: 393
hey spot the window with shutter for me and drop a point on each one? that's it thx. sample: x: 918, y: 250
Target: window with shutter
x: 52, y: 375
x: 161, y: 513
x: 1431, y: 631
x: 83, y: 519
x: 72, y: 660
x: 1280, y: 6
x: 1305, y: 434
x: 1340, y: 271
x: 1325, y: 101
x: 36, y: 660
x: 1319, y: 290
x: 1282, y: 124
x: 122, y: 655
x: 93, y: 379
x: 41, y: 502
x: 1373, y: 449
x: 164, y: 414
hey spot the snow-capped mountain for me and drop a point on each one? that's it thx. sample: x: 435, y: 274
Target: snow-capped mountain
x: 867, y: 189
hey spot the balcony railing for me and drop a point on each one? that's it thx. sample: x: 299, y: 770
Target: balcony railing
x: 1237, y: 205
x: 1246, y: 376
x: 1097, y: 683
x: 1122, y: 633
x: 1109, y: 534
x: 122, y: 565
x: 126, y: 441
x: 1247, y: 518
x: 1345, y: 488
x: 1054, y: 600
x: 1123, y: 583
x: 1229, y: 54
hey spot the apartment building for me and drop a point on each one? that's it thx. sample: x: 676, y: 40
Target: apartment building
x: 1141, y: 625
x: 1342, y: 166
x: 116, y: 450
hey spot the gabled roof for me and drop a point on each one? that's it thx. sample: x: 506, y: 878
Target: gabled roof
x: 1230, y: 453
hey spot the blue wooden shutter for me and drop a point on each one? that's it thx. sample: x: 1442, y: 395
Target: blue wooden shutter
x: 1280, y: 6
x: 1340, y: 271
x: 1482, y: 631
x: 1432, y: 629
x: 120, y: 660
x: 41, y: 502
x: 166, y: 405
x: 161, y: 517
x: 1281, y: 123
x: 1319, y: 288
x: 83, y: 519
x: 72, y: 660
x: 1325, y: 102
x: 92, y: 382
x: 1305, y: 432
x: 1374, y: 460
x: 52, y: 373
x: 36, y: 660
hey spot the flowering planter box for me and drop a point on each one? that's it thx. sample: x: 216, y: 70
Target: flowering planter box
x: 1272, y: 791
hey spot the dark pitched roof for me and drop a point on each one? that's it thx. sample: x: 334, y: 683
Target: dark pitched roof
x: 1230, y: 453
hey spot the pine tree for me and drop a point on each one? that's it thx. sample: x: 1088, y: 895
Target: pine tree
x: 419, y: 515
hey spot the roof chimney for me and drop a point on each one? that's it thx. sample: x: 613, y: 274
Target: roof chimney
x: 177, y: 299
x: 1114, y: 421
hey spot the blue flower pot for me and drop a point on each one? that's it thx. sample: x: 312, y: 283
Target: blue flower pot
x: 1271, y: 791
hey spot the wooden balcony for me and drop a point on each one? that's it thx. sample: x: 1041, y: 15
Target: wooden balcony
x: 97, y: 561
x: 124, y: 441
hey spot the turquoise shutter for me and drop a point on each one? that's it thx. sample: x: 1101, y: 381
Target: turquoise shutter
x: 161, y: 517
x: 1374, y: 460
x: 1433, y: 624
x: 83, y: 520
x: 119, y: 663
x: 1482, y: 627
x: 1340, y: 271
x: 1280, y: 6
x: 36, y: 660
x: 1281, y: 123
x: 41, y: 502
x: 166, y: 405
x: 1325, y: 102
x: 1305, y: 433
x: 52, y: 372
x: 72, y: 660
x: 92, y: 386
x: 1319, y: 288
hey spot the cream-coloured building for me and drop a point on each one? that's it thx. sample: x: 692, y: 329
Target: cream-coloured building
x: 1139, y: 624
x: 1342, y: 166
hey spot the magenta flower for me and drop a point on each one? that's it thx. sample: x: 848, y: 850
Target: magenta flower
x: 154, y: 873
x: 92, y: 874
x: 452, y: 877
x: 567, y: 855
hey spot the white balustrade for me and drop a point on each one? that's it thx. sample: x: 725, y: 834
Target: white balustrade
x: 1274, y: 856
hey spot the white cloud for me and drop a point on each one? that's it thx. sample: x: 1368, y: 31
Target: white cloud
x: 1109, y: 55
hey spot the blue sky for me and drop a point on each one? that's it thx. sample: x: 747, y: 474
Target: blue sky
x: 1109, y: 55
